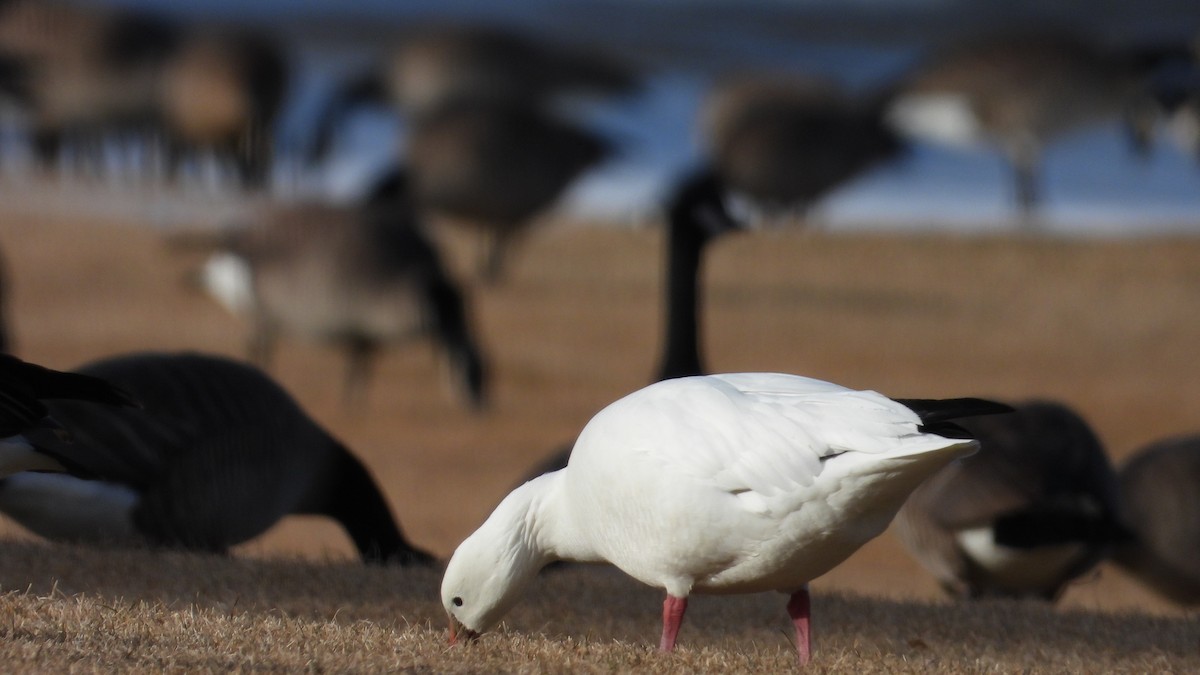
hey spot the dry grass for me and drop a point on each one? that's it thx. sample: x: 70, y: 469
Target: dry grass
x: 1109, y: 327
x: 89, y: 609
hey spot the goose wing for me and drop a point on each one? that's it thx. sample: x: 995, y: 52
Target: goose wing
x: 761, y: 433
x: 24, y: 387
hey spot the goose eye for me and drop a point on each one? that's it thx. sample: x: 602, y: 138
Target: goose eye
x: 457, y: 602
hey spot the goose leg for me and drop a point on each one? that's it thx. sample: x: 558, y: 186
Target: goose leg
x: 1025, y: 160
x: 799, y: 609
x: 673, y: 609
x: 261, y: 345
x: 359, y: 352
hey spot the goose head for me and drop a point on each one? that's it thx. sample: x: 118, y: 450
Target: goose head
x: 491, y: 569
x: 699, y: 207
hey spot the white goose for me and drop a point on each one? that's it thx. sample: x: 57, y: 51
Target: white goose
x: 735, y: 483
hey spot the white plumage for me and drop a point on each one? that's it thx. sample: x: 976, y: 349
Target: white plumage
x: 716, y: 484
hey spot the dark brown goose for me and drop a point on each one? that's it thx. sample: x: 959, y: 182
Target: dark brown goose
x: 1019, y: 93
x: 359, y: 278
x: 1036, y: 507
x: 785, y: 142
x: 30, y: 440
x: 218, y: 454
x: 1160, y: 489
x: 495, y: 167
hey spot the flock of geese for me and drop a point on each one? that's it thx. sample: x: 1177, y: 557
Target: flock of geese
x: 695, y: 484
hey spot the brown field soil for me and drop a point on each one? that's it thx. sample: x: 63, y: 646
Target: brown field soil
x: 1109, y: 327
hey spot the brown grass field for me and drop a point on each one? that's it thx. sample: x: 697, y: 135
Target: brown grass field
x: 1109, y: 327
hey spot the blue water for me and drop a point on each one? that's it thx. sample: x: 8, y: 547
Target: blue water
x: 1092, y: 183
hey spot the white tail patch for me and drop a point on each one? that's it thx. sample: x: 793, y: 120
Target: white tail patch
x: 230, y: 280
x: 941, y: 118
x: 1019, y: 568
x: 16, y: 454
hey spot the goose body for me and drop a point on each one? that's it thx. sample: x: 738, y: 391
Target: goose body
x: 360, y: 278
x: 218, y: 454
x: 443, y: 63
x: 1036, y: 507
x: 734, y: 483
x: 495, y: 166
x: 1017, y: 94
x: 1162, y: 509
x: 787, y: 142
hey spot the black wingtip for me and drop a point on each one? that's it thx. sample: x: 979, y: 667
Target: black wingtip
x: 934, y: 411
x: 46, y: 383
x: 937, y: 415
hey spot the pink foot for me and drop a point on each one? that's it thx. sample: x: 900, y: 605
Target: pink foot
x: 798, y: 608
x: 673, y: 609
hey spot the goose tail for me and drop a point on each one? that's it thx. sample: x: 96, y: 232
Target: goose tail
x: 938, y: 415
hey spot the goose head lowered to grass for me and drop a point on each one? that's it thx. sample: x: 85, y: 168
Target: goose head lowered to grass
x: 720, y: 484
x: 219, y: 454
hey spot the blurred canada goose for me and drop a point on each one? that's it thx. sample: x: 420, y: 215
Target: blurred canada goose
x: 79, y: 71
x: 696, y: 216
x: 1160, y: 489
x: 217, y: 456
x: 1036, y: 507
x: 495, y: 167
x: 1019, y: 93
x: 30, y: 440
x: 433, y: 65
x: 358, y: 277
x: 1172, y: 106
x: 222, y: 92
x: 786, y: 142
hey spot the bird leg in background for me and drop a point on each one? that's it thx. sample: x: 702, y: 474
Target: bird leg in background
x: 360, y: 352
x: 799, y: 609
x: 673, y: 609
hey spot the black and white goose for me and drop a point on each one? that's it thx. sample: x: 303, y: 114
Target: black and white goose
x: 359, y: 277
x: 1035, y: 508
x: 218, y: 455
x: 1160, y: 492
x: 30, y: 440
